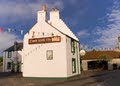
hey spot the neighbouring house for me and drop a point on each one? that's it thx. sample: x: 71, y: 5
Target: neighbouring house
x: 92, y: 60
x: 12, y: 58
x: 50, y: 48
x: 118, y: 43
x: 117, y: 48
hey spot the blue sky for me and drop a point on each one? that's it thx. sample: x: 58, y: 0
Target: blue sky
x: 94, y: 22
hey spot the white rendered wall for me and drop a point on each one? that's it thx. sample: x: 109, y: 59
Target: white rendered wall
x: 70, y: 55
x: 114, y: 61
x: 35, y: 63
x: 6, y: 59
x: 19, y: 55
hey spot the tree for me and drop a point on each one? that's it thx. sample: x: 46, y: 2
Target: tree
x: 103, y: 61
x: 94, y: 50
x: 104, y: 58
x: 1, y: 61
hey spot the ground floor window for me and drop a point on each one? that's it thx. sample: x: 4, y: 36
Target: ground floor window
x: 9, y: 65
x: 73, y: 65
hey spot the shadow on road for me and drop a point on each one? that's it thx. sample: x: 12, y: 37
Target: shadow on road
x: 91, y: 78
x: 84, y: 77
x: 110, y: 78
x: 10, y: 74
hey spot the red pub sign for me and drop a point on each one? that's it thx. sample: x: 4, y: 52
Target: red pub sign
x: 45, y: 40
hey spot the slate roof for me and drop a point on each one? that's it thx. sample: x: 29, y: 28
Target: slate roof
x: 95, y: 54
x: 12, y: 48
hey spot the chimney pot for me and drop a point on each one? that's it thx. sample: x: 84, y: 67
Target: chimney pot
x: 54, y: 9
x: 54, y: 14
x: 44, y: 7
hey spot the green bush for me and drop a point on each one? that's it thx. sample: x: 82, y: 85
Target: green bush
x: 1, y: 61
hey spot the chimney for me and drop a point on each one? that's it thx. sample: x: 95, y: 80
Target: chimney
x: 41, y: 15
x: 44, y: 7
x: 54, y: 14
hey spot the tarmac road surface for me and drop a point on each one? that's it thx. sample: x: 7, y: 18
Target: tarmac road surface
x: 102, y: 78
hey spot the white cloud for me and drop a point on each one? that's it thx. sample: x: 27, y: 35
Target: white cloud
x: 12, y: 11
x: 15, y: 10
x: 109, y: 34
x: 7, y: 40
x: 82, y: 34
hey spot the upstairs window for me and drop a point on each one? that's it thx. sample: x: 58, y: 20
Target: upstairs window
x: 72, y: 45
x: 9, y: 54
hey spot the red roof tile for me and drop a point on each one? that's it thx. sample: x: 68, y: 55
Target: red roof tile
x: 95, y: 54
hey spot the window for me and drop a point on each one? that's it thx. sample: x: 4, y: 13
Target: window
x: 9, y: 65
x: 49, y: 54
x: 73, y: 65
x: 9, y: 54
x: 72, y: 46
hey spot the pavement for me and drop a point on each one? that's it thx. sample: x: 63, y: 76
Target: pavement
x: 89, y: 78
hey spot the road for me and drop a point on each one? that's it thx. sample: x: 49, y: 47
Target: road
x: 103, y: 78
x: 111, y: 78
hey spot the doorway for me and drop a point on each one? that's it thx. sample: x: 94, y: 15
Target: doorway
x: 103, y: 65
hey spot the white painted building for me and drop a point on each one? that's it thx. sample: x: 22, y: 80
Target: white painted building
x: 119, y: 42
x: 12, y: 58
x: 50, y: 48
x: 91, y: 60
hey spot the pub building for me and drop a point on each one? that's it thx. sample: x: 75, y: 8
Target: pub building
x: 50, y: 49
